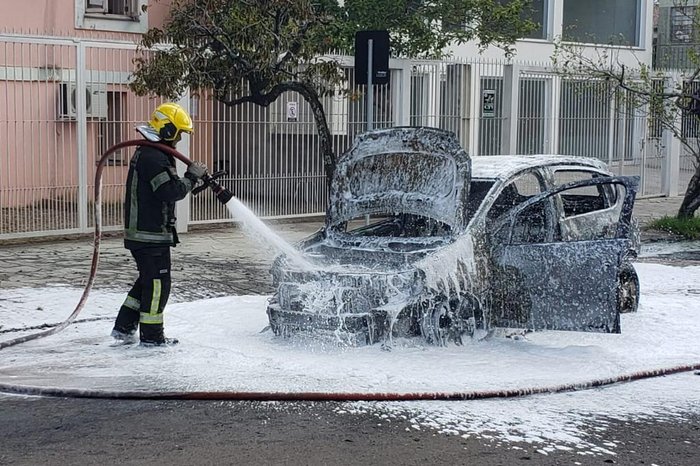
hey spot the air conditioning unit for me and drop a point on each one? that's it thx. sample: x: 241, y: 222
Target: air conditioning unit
x: 95, y: 100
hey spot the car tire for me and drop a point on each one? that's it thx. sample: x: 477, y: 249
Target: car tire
x: 450, y: 321
x: 434, y: 323
x: 627, y: 289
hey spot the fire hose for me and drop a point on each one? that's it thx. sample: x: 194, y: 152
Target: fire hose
x: 338, y: 396
x: 224, y: 196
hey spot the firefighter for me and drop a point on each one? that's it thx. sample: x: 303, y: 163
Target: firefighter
x: 152, y: 188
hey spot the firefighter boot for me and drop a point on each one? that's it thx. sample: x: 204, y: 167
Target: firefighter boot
x: 124, y: 337
x: 152, y: 335
x: 125, y: 326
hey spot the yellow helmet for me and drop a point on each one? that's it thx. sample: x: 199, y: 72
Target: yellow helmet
x: 169, y: 120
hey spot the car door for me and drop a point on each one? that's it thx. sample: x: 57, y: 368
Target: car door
x: 564, y: 280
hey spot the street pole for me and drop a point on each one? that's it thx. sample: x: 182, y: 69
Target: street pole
x: 370, y: 90
x: 370, y: 96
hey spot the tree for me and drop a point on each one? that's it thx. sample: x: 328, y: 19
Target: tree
x: 254, y: 50
x: 669, y: 104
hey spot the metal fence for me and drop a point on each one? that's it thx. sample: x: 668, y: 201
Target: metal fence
x: 273, y: 162
x: 63, y: 102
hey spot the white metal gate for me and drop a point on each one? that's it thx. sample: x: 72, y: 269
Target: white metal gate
x: 64, y: 101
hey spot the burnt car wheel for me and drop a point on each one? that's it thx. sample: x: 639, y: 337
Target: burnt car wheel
x: 406, y: 325
x: 627, y: 289
x: 435, y: 322
x: 450, y: 321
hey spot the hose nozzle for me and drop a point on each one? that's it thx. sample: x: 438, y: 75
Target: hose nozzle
x: 209, y: 181
x: 221, y: 193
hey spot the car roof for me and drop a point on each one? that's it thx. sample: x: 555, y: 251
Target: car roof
x: 506, y: 166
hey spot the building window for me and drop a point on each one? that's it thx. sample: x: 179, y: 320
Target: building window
x: 127, y: 8
x: 537, y: 12
x: 682, y: 23
x: 112, y: 15
x: 602, y: 21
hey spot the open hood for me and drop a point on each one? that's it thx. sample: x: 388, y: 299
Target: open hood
x: 420, y: 171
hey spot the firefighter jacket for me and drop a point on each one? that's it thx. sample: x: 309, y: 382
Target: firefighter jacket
x: 152, y: 188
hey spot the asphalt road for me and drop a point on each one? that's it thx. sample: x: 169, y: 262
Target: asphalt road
x: 97, y: 432
x: 35, y: 430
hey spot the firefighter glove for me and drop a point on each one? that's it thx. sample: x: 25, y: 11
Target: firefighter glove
x: 196, y: 171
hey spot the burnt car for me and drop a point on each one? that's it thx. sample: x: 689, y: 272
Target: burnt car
x: 421, y: 239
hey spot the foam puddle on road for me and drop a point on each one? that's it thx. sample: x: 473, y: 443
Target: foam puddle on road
x: 221, y: 348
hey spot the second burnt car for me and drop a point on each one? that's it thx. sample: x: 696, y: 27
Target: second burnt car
x: 420, y: 239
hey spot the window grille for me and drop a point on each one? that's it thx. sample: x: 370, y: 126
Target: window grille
x: 112, y: 7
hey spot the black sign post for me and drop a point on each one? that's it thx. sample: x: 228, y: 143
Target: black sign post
x: 371, y: 64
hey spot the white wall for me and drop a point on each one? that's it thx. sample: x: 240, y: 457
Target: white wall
x: 541, y: 50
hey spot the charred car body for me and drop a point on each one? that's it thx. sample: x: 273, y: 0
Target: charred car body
x: 419, y: 239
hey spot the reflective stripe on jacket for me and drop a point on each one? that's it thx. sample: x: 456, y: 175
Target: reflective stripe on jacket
x: 152, y: 188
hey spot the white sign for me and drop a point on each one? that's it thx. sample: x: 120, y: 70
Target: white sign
x: 292, y: 111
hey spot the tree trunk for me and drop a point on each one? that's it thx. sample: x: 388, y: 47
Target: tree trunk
x: 309, y: 94
x: 691, y: 200
x: 324, y: 133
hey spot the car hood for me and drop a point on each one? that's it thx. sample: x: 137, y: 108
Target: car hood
x: 421, y: 171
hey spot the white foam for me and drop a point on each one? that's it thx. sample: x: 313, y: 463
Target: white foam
x: 258, y: 231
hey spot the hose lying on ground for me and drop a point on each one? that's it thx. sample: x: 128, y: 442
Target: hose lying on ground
x: 272, y: 396
x: 328, y: 396
x: 51, y: 325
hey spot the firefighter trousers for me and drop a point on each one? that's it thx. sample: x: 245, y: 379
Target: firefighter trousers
x: 148, y: 296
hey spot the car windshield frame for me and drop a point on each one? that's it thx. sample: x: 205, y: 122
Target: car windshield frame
x: 479, y: 190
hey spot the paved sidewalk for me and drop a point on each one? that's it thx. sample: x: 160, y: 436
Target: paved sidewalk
x: 208, y: 262
x: 656, y: 207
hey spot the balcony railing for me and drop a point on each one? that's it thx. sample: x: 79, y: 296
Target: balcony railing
x: 677, y: 56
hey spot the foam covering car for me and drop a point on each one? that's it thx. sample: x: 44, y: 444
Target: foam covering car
x: 422, y: 240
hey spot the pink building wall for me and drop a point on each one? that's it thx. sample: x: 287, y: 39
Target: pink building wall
x: 58, y: 17
x: 38, y: 148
